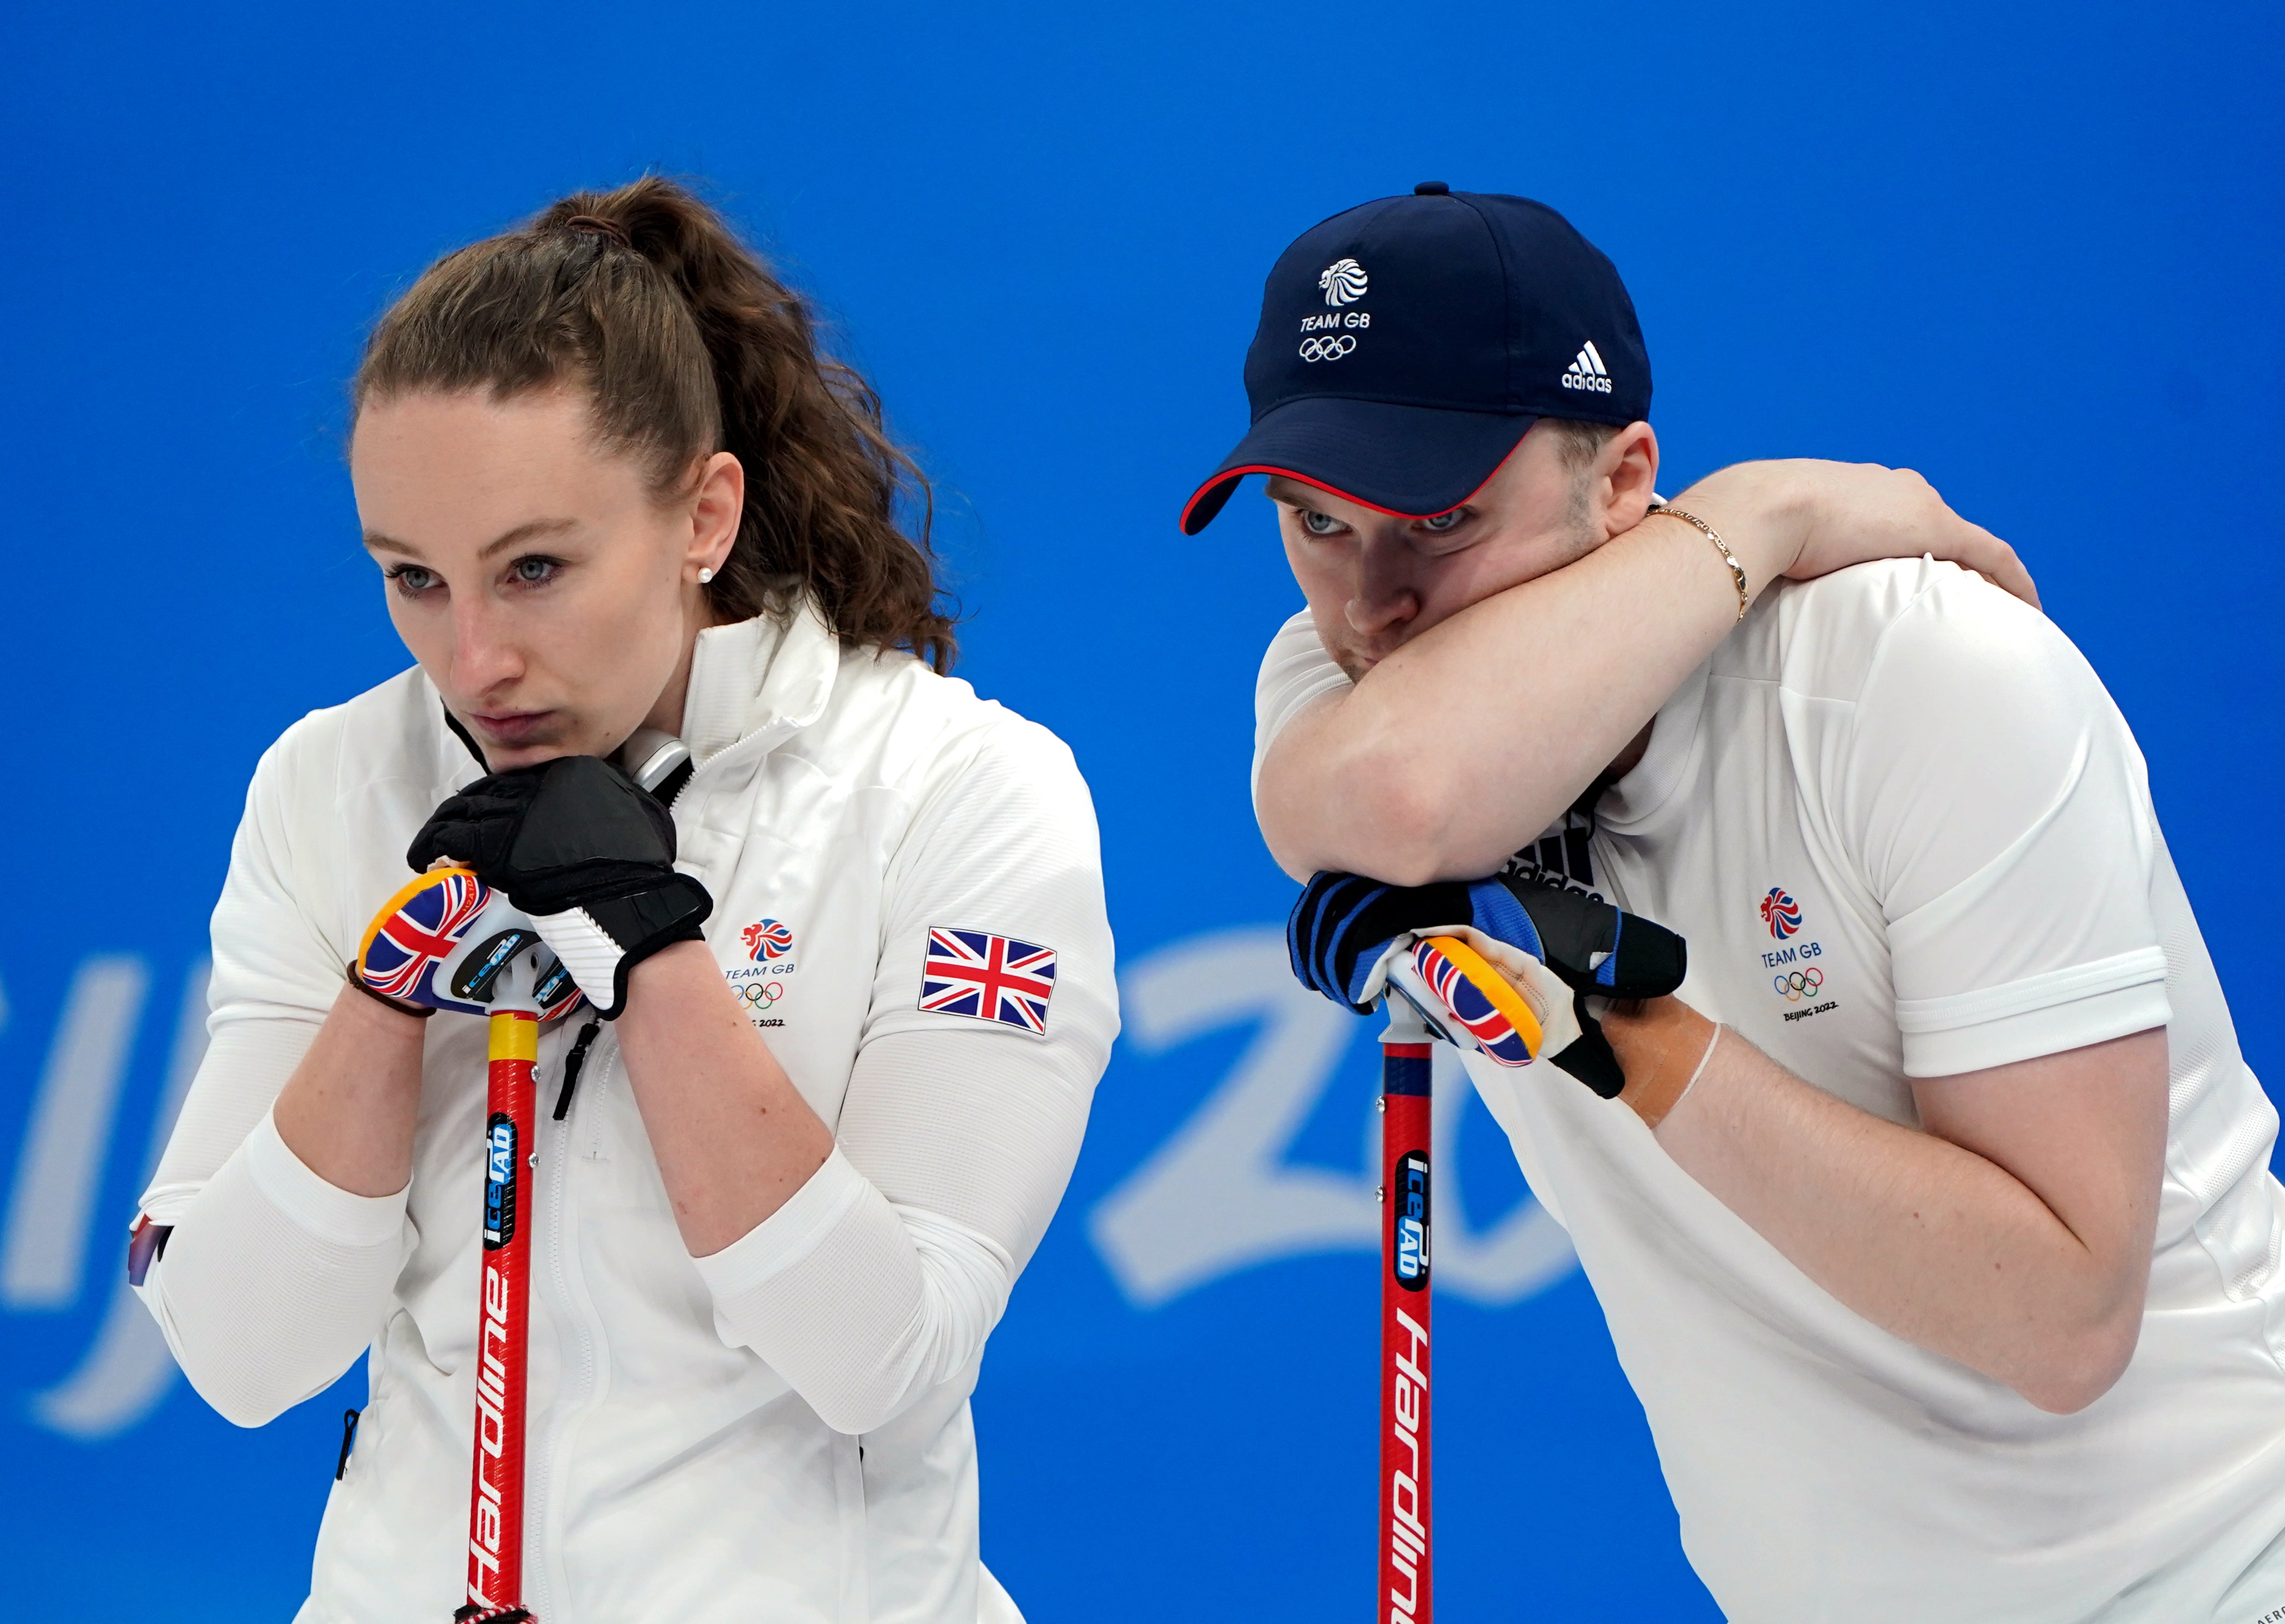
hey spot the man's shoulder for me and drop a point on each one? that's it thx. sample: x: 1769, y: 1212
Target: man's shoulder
x: 1835, y: 638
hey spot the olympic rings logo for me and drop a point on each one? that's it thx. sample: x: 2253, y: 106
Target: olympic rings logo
x: 1327, y: 349
x: 1799, y: 985
x: 761, y: 994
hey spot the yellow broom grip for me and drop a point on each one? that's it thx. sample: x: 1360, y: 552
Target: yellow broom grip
x: 515, y: 1035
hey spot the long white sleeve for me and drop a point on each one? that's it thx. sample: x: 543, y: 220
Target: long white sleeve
x: 271, y: 1281
x: 881, y: 1277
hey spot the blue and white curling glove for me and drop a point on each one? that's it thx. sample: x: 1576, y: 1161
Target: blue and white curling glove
x: 587, y: 854
x: 1349, y: 937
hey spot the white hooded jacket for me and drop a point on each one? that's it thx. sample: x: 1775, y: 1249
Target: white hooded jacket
x: 779, y: 1432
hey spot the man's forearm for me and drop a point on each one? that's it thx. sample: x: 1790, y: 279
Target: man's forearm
x: 1470, y: 738
x: 1931, y: 1241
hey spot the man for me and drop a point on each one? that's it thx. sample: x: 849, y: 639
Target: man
x: 1933, y: 1224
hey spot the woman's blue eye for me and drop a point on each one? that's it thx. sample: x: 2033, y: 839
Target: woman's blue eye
x: 411, y: 579
x: 1442, y: 522
x: 532, y: 571
x: 1317, y: 524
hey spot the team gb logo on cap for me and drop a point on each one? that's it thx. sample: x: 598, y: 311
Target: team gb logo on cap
x: 1344, y: 282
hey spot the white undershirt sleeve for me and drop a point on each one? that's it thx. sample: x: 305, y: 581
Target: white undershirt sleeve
x: 880, y: 1280
x: 2003, y: 812
x: 1296, y: 672
x: 271, y: 1281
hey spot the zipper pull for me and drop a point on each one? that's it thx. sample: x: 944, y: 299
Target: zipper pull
x: 348, y: 1437
x: 573, y: 1061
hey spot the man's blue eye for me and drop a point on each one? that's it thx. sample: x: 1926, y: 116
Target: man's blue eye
x: 1317, y: 524
x: 1444, y: 522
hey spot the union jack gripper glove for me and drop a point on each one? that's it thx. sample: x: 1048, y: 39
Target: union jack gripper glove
x: 587, y: 853
x: 1350, y: 938
x: 441, y: 943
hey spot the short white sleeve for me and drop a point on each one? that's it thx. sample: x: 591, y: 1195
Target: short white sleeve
x: 1295, y: 672
x: 2002, y: 814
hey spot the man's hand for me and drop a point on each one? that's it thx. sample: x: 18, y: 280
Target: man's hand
x: 1344, y: 930
x: 1801, y: 518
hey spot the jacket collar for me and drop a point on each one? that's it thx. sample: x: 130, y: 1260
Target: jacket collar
x: 758, y: 682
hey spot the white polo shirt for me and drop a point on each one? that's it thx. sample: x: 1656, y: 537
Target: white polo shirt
x: 1907, y: 833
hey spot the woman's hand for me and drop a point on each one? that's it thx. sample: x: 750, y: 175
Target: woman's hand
x: 576, y: 845
x: 1802, y: 518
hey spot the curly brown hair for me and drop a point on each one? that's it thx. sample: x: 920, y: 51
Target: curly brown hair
x: 687, y: 343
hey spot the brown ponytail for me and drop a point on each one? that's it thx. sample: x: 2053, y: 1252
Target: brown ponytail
x: 687, y: 344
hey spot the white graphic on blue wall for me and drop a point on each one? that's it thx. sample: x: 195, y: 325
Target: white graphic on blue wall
x: 57, y: 1238
x: 1220, y: 1196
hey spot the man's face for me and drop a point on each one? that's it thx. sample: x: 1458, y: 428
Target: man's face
x: 1375, y: 582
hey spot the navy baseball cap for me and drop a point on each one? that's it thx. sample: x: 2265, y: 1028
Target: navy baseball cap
x: 1407, y: 344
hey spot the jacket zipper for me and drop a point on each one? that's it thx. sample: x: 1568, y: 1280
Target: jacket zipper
x: 576, y: 1315
x: 561, y: 1128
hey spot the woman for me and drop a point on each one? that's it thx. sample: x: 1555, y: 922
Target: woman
x: 616, y: 493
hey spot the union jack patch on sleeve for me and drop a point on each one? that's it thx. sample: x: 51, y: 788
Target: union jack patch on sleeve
x: 988, y: 977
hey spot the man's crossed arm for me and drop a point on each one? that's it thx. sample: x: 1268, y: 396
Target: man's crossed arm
x: 2012, y: 1235
x: 1355, y: 784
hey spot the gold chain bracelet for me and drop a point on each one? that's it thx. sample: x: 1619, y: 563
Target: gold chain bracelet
x: 1737, y: 570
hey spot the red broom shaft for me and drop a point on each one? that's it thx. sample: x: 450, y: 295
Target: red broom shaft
x: 1407, y: 1551
x: 496, y: 1490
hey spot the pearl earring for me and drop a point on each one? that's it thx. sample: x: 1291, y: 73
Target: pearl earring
x: 706, y: 576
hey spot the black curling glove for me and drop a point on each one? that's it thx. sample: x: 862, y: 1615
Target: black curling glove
x: 588, y: 855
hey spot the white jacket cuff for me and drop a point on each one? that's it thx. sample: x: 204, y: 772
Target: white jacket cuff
x: 786, y: 1236
x: 325, y: 1211
x: 861, y: 1306
x: 274, y: 1280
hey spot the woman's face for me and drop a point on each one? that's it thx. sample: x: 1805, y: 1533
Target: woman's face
x: 551, y: 599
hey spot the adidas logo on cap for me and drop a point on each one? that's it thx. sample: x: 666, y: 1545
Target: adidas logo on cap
x: 1586, y: 372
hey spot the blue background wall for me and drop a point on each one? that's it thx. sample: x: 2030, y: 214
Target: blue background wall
x: 2029, y: 251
